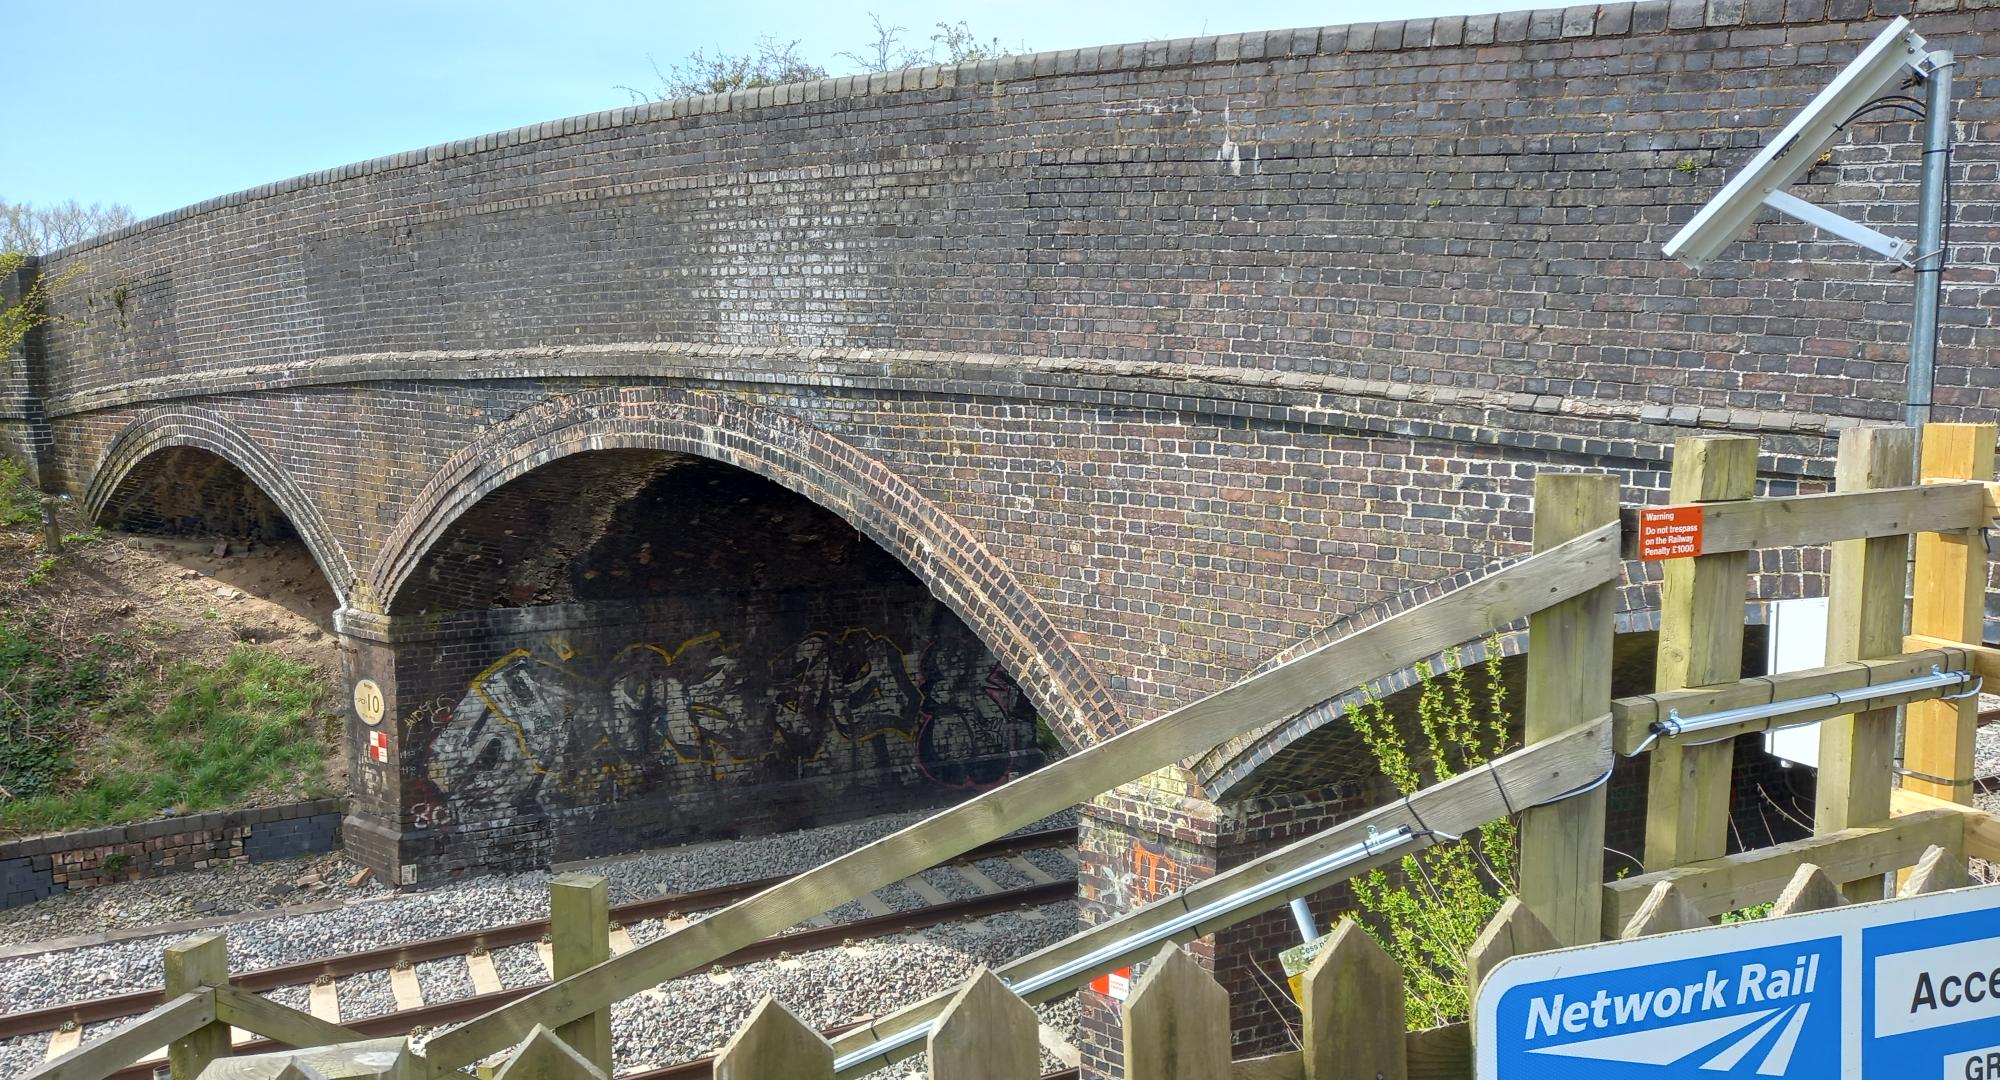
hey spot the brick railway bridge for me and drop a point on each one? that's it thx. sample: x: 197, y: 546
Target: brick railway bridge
x: 759, y: 459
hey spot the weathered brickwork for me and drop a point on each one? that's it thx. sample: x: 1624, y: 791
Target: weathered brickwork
x: 185, y: 489
x: 24, y: 428
x: 1467, y: 203
x: 35, y: 867
x: 558, y: 732
x: 1149, y: 363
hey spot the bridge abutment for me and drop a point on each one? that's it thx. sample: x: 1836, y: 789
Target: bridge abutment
x: 1150, y: 839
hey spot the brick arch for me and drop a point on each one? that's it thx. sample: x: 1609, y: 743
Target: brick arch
x: 935, y: 546
x: 191, y: 426
x: 1318, y: 745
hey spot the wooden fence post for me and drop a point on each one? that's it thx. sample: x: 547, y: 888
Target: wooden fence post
x: 1864, y: 619
x: 1176, y: 1022
x: 191, y: 964
x: 1948, y: 601
x: 773, y: 1043
x: 1809, y: 890
x: 1512, y: 931
x: 987, y: 1032
x: 1569, y: 682
x: 1354, y: 1010
x: 1664, y: 910
x: 580, y: 937
x: 546, y: 1056
x: 1701, y: 644
x: 52, y: 534
x: 1938, y: 870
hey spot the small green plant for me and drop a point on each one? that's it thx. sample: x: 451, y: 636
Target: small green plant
x: 44, y: 566
x: 115, y: 862
x: 1687, y: 166
x: 1427, y: 916
x: 20, y: 503
x: 1748, y: 914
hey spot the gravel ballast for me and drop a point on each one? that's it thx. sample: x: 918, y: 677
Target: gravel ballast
x: 868, y: 980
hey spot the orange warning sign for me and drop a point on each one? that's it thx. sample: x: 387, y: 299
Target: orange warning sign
x: 1672, y: 532
x: 1117, y: 985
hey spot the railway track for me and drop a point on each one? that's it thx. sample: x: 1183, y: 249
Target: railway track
x: 65, y: 1024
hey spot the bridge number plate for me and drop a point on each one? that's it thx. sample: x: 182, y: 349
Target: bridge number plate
x: 1672, y: 532
x: 1899, y: 988
x: 368, y: 702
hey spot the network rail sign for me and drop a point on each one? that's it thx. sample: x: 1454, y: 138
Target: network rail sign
x: 1899, y: 988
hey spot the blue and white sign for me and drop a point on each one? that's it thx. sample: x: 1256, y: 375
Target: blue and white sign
x: 1899, y: 988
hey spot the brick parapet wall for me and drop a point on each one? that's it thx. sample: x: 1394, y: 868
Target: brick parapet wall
x: 1439, y: 203
x: 35, y: 867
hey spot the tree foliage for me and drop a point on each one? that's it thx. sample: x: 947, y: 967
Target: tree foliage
x: 32, y: 230
x: 769, y: 63
x: 27, y: 230
x: 772, y: 61
x: 952, y: 43
x: 1427, y: 916
x: 30, y: 310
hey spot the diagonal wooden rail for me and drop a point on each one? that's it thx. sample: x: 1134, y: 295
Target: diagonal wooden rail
x: 1529, y: 585
x: 99, y: 1057
x: 1527, y: 777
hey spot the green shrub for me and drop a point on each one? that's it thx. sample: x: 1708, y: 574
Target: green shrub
x: 1427, y: 916
x: 20, y: 503
x: 186, y: 735
x: 1748, y: 914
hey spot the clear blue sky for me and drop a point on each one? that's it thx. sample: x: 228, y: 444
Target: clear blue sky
x: 158, y: 104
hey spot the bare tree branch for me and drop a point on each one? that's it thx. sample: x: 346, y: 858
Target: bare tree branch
x: 31, y: 230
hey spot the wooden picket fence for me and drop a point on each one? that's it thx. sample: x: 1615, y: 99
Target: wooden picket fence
x: 1866, y: 826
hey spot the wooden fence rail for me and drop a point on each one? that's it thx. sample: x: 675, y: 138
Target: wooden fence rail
x: 1177, y: 1018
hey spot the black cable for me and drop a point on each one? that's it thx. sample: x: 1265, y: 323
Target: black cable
x: 1878, y: 106
x: 1502, y: 788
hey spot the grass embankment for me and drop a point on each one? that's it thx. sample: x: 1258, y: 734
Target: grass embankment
x: 104, y: 720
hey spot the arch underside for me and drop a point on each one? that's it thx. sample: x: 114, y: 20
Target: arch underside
x: 1321, y: 746
x: 639, y: 616
x: 945, y: 557
x: 136, y: 479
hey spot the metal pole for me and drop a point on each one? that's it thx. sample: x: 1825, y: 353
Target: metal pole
x: 1301, y: 914
x: 1930, y: 238
x: 877, y: 1054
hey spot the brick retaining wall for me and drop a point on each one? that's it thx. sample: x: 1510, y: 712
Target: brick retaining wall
x: 35, y: 867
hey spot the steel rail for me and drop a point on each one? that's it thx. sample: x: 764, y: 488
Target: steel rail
x: 402, y: 1022
x: 117, y: 1006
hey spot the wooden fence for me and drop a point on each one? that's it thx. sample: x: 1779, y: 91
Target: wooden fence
x: 1865, y: 826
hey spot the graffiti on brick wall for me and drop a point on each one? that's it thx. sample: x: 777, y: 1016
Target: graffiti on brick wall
x: 1150, y: 872
x: 555, y: 726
